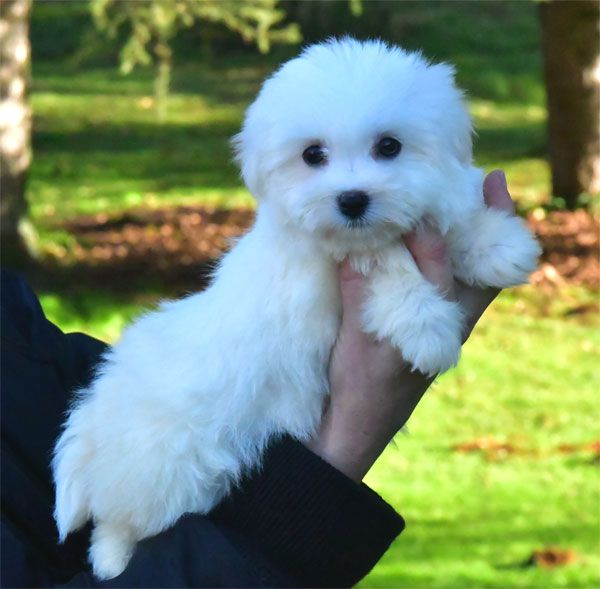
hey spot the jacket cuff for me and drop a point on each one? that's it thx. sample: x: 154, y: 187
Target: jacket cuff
x: 311, y: 521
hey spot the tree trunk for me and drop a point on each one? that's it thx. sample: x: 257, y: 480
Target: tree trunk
x: 15, y: 130
x: 162, y: 82
x: 571, y: 47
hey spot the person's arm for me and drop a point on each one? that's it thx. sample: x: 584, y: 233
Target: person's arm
x: 295, y: 522
x: 373, y: 390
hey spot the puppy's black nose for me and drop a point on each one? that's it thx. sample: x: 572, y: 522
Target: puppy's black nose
x: 353, y: 203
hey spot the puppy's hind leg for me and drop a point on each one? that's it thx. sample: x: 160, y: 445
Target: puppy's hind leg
x: 493, y: 248
x: 111, y: 548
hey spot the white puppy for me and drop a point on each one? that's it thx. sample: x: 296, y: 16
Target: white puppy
x: 346, y: 148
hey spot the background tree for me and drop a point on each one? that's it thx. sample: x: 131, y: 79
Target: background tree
x: 571, y: 48
x: 153, y: 24
x: 15, y: 132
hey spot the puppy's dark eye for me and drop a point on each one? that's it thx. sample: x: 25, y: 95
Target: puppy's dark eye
x: 314, y: 155
x: 388, y: 148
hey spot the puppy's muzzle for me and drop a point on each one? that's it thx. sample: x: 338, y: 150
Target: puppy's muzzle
x: 353, y: 203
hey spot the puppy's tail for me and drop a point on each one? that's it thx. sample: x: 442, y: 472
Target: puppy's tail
x: 71, y: 459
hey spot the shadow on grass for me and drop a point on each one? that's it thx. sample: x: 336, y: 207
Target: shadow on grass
x: 106, y: 161
x: 509, y: 142
x: 90, y: 137
x: 228, y: 82
x: 122, y: 280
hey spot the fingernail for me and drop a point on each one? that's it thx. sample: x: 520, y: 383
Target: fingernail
x: 421, y: 228
x: 425, y: 227
x: 502, y: 178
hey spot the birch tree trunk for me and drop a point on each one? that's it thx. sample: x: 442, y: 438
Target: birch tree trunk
x: 571, y: 47
x: 15, y: 130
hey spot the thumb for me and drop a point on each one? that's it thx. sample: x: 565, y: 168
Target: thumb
x: 495, y: 192
x: 352, y: 287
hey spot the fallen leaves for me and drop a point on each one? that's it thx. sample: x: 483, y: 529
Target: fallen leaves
x: 571, y: 244
x: 175, y: 241
x: 551, y: 557
x: 491, y: 448
x: 494, y: 450
x: 593, y: 447
x: 157, y: 239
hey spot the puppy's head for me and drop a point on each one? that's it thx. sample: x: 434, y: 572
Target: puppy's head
x: 355, y: 142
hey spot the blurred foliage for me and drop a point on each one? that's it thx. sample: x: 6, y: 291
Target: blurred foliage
x: 356, y: 7
x: 151, y: 26
x: 495, y: 45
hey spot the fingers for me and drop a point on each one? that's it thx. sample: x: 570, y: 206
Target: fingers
x: 352, y: 287
x: 428, y: 248
x: 495, y: 192
x: 474, y: 300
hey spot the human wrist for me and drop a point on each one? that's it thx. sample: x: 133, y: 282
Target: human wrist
x: 351, y: 450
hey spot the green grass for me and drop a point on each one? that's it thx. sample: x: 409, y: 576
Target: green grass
x: 532, y: 382
x: 99, y: 314
x: 528, y: 376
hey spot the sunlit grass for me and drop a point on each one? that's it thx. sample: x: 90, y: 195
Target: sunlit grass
x: 472, y: 521
x: 101, y: 315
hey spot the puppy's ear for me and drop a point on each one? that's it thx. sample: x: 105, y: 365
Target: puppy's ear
x: 249, y: 161
x: 249, y: 155
x: 456, y: 122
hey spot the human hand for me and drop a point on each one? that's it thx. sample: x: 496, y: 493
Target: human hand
x: 373, y: 390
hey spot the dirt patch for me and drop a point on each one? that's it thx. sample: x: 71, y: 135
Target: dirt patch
x: 571, y: 243
x: 494, y: 450
x: 162, y: 239
x: 552, y: 557
x: 178, y: 243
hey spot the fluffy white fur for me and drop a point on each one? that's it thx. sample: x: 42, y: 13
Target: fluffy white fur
x: 189, y: 397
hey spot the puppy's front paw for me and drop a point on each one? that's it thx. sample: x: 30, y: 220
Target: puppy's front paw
x: 426, y: 329
x: 432, y: 341
x: 496, y: 250
x: 432, y: 349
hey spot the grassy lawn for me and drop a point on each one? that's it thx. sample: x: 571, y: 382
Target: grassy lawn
x: 528, y: 378
x: 473, y: 521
